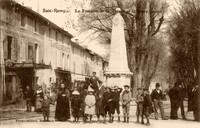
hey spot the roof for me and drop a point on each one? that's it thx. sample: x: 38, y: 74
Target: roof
x: 33, y: 13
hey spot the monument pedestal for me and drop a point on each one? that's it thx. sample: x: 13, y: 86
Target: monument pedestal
x: 118, y: 79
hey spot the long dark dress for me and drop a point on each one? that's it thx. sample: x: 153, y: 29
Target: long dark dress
x: 62, y: 107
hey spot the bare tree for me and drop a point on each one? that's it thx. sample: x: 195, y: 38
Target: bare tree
x: 143, y: 21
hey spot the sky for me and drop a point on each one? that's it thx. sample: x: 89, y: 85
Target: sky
x: 67, y: 10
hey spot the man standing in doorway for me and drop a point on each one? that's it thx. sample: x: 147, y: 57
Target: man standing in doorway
x: 157, y: 97
x: 28, y: 96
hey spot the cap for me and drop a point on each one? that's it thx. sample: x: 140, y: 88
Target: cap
x: 145, y: 89
x: 116, y: 87
x: 126, y: 86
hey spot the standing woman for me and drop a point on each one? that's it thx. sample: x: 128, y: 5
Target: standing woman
x: 39, y: 99
x: 62, y: 107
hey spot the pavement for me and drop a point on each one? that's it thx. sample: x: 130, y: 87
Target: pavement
x: 21, y: 118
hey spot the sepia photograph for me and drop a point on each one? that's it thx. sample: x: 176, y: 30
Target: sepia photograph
x: 100, y: 63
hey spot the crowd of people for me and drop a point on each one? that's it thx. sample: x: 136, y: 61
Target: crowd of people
x: 93, y: 98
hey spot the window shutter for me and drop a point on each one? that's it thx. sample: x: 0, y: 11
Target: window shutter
x: 5, y: 48
x: 14, y: 49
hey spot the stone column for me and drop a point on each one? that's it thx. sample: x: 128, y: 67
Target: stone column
x: 118, y: 72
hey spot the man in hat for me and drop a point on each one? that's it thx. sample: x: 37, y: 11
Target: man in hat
x: 181, y: 100
x: 157, y: 97
x: 174, y: 96
x: 125, y: 100
x: 117, y: 92
x: 147, y: 105
x: 195, y: 102
x: 139, y: 101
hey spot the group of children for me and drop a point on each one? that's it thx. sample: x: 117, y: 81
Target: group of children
x: 102, y: 102
x: 108, y: 102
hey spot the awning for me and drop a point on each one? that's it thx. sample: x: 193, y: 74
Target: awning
x: 62, y: 71
x: 29, y: 65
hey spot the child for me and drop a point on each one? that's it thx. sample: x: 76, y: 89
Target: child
x: 139, y: 101
x: 90, y: 103
x: 76, y: 105
x: 147, y: 106
x: 105, y: 106
x: 46, y: 107
x: 117, y: 99
x: 125, y: 100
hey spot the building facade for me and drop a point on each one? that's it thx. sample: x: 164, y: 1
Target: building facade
x: 38, y: 52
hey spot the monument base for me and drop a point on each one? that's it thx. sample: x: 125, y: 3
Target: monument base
x: 118, y: 79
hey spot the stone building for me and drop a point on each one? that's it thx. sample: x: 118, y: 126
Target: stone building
x: 38, y: 52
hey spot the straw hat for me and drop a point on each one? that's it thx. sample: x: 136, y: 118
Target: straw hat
x: 75, y: 93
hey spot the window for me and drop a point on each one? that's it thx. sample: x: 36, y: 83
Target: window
x: 67, y: 62
x: 63, y: 61
x: 10, y: 39
x: 73, y: 49
x: 30, y: 51
x: 63, y: 39
x: 49, y: 32
x: 22, y: 50
x: 74, y: 67
x: 82, y: 68
x: 50, y: 78
x: 92, y: 57
x: 23, y: 20
x: 36, y: 26
x: 56, y: 36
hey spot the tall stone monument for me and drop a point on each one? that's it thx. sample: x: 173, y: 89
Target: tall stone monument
x: 118, y: 72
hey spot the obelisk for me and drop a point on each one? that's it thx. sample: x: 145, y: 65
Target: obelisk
x: 118, y: 72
